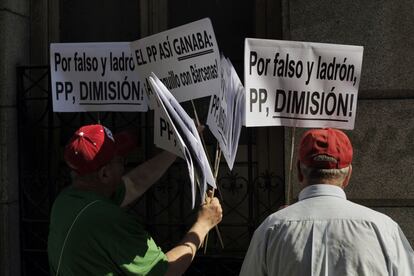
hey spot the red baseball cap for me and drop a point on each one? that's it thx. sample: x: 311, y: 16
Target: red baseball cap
x: 94, y: 146
x: 327, y: 141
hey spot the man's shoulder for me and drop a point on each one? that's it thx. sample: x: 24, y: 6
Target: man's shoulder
x: 343, y: 210
x: 72, y: 201
x: 102, y: 212
x: 367, y: 214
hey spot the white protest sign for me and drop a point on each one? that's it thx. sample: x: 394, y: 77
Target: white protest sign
x: 168, y: 138
x: 186, y: 59
x: 189, y: 142
x: 301, y: 84
x: 95, y: 77
x: 226, y: 112
x: 164, y: 130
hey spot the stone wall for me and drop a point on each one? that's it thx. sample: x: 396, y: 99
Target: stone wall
x: 383, y: 138
x: 14, y: 38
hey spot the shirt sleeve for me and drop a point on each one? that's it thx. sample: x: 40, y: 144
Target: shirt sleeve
x: 255, y: 260
x: 131, y: 250
x: 403, y: 262
x: 152, y: 262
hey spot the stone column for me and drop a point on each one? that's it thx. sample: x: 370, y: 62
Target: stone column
x: 14, y: 39
x: 153, y: 16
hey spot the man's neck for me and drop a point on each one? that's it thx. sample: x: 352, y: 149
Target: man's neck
x: 92, y: 186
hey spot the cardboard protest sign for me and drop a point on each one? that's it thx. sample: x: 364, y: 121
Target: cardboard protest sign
x: 184, y: 136
x: 301, y: 83
x: 185, y: 58
x: 95, y: 77
x: 226, y: 112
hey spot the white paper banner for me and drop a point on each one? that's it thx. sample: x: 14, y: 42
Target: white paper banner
x: 184, y: 136
x: 301, y: 84
x: 165, y: 136
x: 95, y: 77
x: 226, y: 112
x: 186, y: 59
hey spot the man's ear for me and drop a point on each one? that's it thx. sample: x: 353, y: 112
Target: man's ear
x: 300, y: 175
x: 347, y: 178
x: 103, y: 174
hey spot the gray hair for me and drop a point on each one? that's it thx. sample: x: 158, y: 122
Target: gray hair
x: 317, y: 175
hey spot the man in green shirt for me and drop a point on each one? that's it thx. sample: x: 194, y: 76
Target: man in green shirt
x: 90, y: 233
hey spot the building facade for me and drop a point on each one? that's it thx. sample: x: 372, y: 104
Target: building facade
x: 32, y: 171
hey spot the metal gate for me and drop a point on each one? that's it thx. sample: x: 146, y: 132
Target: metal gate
x: 250, y: 193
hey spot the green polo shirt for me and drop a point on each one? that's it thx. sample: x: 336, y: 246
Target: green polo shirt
x: 104, y: 240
